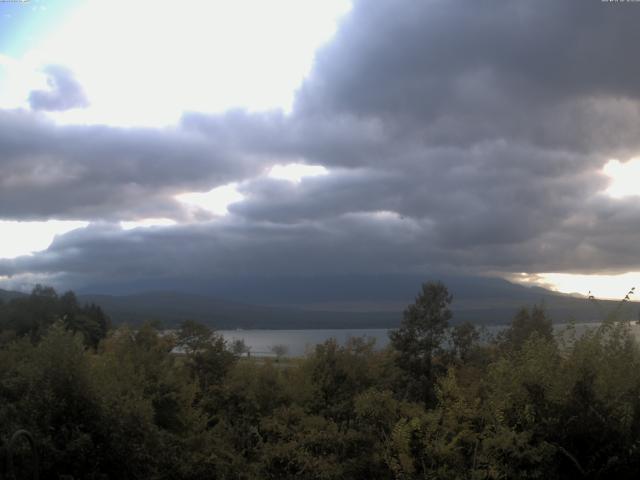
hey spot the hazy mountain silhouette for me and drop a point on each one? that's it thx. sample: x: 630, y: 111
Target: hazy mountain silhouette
x: 6, y: 295
x: 348, y: 301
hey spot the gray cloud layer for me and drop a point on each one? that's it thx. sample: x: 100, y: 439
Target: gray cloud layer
x: 65, y: 92
x: 105, y: 173
x: 483, y: 127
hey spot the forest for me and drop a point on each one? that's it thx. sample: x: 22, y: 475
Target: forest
x: 117, y: 402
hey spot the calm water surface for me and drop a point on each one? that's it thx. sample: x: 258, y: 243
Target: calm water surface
x: 299, y: 342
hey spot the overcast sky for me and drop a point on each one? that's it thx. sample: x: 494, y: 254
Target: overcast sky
x: 306, y: 137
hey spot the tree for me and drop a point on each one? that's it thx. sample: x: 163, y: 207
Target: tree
x: 31, y: 316
x: 193, y: 336
x: 525, y: 324
x: 463, y: 338
x: 207, y: 355
x: 337, y: 374
x: 239, y: 347
x: 419, y: 339
x: 279, y: 351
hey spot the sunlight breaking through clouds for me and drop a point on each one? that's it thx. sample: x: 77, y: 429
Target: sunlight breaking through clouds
x: 215, y: 201
x: 17, y: 79
x: 216, y: 52
x: 147, y: 223
x: 625, y: 178
x: 400, y: 130
x: 24, y: 238
x: 295, y: 172
x: 602, y: 286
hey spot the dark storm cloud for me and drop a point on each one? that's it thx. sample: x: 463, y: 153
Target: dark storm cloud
x: 341, y: 244
x: 225, y: 247
x: 459, y: 72
x: 99, y: 172
x: 471, y: 196
x: 64, y: 91
x: 340, y: 140
x: 319, y: 198
x: 425, y: 58
x: 458, y: 135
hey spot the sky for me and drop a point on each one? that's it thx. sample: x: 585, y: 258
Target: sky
x: 201, y: 139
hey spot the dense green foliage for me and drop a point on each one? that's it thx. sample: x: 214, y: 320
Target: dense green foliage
x: 31, y: 316
x: 437, y: 404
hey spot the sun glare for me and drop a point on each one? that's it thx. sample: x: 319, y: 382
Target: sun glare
x: 24, y: 238
x: 215, y: 201
x: 625, y: 178
x: 600, y: 286
x: 295, y: 172
x: 17, y: 79
x: 150, y: 61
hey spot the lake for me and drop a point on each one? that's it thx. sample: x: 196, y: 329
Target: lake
x: 298, y: 342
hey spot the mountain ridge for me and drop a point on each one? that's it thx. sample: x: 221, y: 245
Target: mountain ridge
x: 336, y: 302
